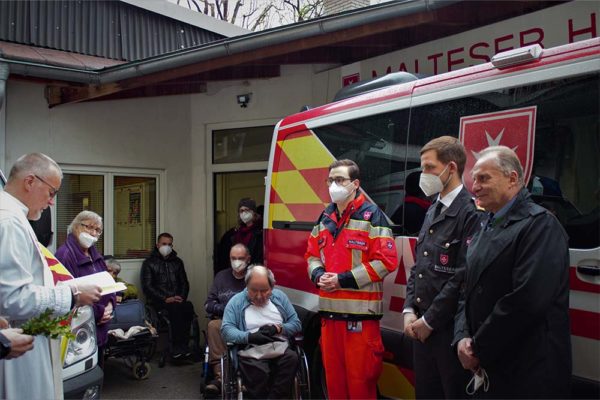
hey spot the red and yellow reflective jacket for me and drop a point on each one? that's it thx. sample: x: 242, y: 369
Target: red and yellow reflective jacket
x: 360, y: 248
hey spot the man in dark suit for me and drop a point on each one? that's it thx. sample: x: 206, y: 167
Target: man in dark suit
x: 435, y: 280
x: 513, y: 325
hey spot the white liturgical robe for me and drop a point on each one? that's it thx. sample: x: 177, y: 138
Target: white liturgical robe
x: 26, y: 290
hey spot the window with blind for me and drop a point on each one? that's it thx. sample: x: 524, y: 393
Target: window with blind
x: 126, y: 203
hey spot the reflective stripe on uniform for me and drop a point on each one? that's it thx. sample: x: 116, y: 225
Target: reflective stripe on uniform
x: 313, y: 264
x: 379, y: 268
x: 361, y: 275
x: 380, y: 232
x: 347, y: 306
x: 358, y: 225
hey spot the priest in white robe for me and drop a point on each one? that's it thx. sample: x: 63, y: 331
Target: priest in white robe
x: 26, y: 285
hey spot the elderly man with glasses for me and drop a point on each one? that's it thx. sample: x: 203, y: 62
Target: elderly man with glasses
x: 26, y: 283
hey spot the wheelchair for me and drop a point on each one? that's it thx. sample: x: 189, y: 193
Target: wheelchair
x: 233, y: 385
x: 160, y: 320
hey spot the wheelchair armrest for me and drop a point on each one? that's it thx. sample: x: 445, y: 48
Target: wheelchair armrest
x: 298, y: 340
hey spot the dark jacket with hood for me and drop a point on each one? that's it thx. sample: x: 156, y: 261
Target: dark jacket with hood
x: 164, y: 277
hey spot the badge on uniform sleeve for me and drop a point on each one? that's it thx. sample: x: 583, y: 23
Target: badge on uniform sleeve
x: 367, y: 215
x: 444, y: 259
x: 389, y: 244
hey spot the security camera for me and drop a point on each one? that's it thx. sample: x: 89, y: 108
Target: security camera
x: 244, y: 99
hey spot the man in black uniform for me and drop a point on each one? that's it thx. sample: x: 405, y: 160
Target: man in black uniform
x: 513, y: 325
x: 435, y: 280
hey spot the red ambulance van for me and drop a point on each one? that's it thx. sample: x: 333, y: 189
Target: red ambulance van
x: 544, y: 103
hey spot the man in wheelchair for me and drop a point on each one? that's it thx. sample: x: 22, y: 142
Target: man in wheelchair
x: 227, y: 283
x: 261, y: 320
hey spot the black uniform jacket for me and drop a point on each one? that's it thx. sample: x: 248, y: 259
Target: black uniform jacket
x: 164, y: 277
x: 516, y: 303
x: 436, y: 278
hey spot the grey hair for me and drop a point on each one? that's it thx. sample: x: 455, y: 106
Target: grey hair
x: 112, y: 263
x: 505, y: 158
x: 241, y: 246
x: 33, y: 164
x: 259, y: 270
x: 84, y: 216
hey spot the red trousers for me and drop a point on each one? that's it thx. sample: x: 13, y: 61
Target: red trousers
x: 352, y: 358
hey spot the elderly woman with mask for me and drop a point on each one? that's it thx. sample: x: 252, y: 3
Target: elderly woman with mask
x: 81, y: 258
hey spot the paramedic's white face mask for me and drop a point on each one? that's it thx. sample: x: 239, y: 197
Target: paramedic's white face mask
x: 165, y: 250
x: 431, y: 184
x: 340, y: 193
x: 246, y: 216
x: 238, y: 265
x: 86, y: 240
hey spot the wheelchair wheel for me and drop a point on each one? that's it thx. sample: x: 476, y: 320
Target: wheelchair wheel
x: 317, y: 374
x: 232, y: 386
x: 141, y: 370
x: 239, y: 388
x: 302, y: 379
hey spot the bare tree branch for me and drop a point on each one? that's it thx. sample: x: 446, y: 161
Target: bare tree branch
x: 258, y: 14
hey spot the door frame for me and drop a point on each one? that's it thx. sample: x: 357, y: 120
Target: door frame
x: 212, y: 169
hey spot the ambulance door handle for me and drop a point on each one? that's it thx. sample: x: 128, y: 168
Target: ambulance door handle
x: 591, y: 270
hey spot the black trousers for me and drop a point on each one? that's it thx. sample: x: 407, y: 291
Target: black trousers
x: 269, y: 379
x: 438, y: 372
x: 180, y: 316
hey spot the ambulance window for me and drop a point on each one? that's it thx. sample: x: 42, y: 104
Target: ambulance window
x: 565, y: 175
x: 378, y: 145
x: 566, y: 170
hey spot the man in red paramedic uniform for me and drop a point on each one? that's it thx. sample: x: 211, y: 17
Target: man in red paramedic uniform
x: 350, y: 251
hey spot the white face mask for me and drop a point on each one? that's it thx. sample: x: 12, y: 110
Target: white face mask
x: 431, y: 184
x: 165, y: 250
x: 340, y: 193
x: 238, y: 265
x: 86, y: 240
x: 479, y: 379
x: 246, y: 216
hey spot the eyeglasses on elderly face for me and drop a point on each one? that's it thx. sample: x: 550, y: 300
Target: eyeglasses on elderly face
x: 53, y: 190
x: 90, y: 228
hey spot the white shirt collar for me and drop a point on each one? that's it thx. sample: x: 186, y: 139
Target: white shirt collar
x: 10, y: 202
x: 449, y: 198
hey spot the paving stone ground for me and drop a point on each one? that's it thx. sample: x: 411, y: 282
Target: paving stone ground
x: 170, y: 382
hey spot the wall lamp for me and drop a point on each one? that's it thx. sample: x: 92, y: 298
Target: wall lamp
x: 244, y: 99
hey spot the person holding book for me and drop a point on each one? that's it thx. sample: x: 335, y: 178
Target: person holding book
x: 81, y: 258
x: 27, y: 287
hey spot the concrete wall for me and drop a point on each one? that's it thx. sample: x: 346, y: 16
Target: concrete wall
x: 136, y: 133
x: 167, y: 133
x: 272, y: 99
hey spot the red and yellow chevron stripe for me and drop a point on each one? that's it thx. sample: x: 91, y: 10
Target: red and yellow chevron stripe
x: 59, y: 272
x: 298, y: 188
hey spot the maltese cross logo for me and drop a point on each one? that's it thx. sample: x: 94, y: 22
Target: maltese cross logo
x: 511, y: 128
